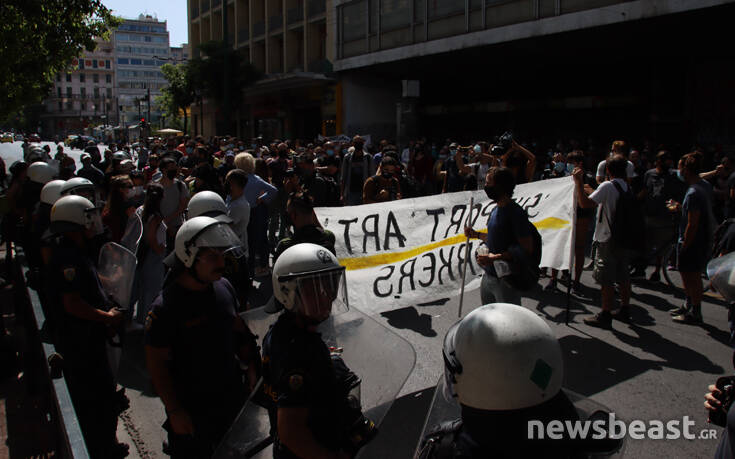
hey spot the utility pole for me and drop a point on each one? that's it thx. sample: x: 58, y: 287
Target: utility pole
x: 226, y: 74
x: 148, y: 118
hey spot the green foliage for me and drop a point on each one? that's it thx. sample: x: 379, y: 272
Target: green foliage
x: 179, y: 93
x: 39, y: 39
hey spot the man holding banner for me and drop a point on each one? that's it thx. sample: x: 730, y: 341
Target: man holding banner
x: 508, y: 231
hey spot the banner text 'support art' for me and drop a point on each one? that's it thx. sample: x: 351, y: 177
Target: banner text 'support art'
x: 411, y: 252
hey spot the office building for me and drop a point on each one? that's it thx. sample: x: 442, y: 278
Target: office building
x: 289, y: 42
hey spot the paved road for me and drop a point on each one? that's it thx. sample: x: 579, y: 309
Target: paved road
x: 652, y: 370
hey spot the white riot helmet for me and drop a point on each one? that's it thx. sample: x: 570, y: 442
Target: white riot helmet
x: 203, y: 232
x: 75, y: 213
x: 308, y: 280
x: 502, y: 357
x: 120, y: 156
x: 208, y: 204
x: 51, y: 192
x: 81, y: 187
x: 40, y: 172
x: 126, y: 166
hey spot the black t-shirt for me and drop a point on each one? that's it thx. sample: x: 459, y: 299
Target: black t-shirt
x: 455, y: 182
x: 197, y: 326
x: 298, y: 372
x: 357, y: 173
x: 726, y: 448
x: 71, y: 270
x: 660, y: 188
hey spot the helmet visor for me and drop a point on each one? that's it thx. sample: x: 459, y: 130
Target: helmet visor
x: 94, y: 221
x: 321, y: 294
x: 85, y: 191
x: 220, y: 237
x: 452, y: 367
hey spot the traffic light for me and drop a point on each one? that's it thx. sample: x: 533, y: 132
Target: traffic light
x: 142, y: 122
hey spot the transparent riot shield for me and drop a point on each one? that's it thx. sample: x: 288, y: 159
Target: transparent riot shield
x: 381, y: 358
x: 116, y: 271
x: 133, y: 233
x: 721, y: 273
x: 442, y: 410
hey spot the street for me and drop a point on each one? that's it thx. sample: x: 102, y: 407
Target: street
x: 652, y: 370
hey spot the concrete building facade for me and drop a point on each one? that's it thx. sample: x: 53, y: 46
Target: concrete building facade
x: 141, y: 47
x: 84, y: 96
x: 290, y: 42
x: 471, y: 68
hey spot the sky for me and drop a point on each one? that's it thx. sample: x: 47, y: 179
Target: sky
x: 172, y: 11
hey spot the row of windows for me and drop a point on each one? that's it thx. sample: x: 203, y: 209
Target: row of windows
x: 82, y: 92
x: 141, y: 50
x: 142, y: 28
x: 92, y: 63
x: 131, y: 61
x: 143, y: 38
x: 141, y: 85
x: 139, y: 73
x: 83, y: 78
x: 82, y: 106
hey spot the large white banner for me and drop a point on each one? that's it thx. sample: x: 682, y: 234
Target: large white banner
x: 411, y: 252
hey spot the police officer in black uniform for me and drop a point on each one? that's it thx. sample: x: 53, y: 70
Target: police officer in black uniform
x: 85, y: 317
x: 196, y: 344
x: 312, y: 412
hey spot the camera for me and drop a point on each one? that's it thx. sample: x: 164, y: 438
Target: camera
x: 725, y: 384
x: 503, y: 144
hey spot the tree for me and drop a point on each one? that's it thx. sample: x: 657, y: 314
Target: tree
x: 207, y: 74
x: 179, y: 94
x: 39, y: 40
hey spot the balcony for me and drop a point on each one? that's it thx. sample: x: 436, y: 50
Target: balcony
x: 317, y: 7
x: 205, y: 6
x: 258, y: 29
x: 275, y: 23
x: 195, y: 10
x: 294, y: 15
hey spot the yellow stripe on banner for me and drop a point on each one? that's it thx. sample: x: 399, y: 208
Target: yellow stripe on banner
x: 379, y: 259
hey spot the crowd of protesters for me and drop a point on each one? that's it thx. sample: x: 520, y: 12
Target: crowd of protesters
x: 266, y: 191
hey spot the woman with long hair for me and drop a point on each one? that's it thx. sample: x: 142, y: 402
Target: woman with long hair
x: 151, y: 251
x: 118, y: 208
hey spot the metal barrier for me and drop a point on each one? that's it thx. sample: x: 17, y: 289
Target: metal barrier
x: 69, y: 439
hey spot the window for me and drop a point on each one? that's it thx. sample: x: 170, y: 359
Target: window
x: 81, y: 106
x: 96, y: 92
x: 61, y: 106
x: 83, y: 92
x: 94, y: 63
x: 58, y: 92
x: 107, y: 64
x: 109, y: 93
x: 81, y: 64
x: 147, y: 38
x: 135, y: 61
x: 68, y: 91
x: 149, y: 62
x: 58, y: 77
x: 108, y: 78
x: 95, y: 78
x: 69, y: 105
x: 82, y: 78
x: 68, y: 77
x: 123, y: 61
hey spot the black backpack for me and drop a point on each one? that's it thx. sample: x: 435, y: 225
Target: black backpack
x: 628, y: 224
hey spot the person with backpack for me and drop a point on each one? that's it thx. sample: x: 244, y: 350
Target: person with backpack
x: 175, y: 198
x: 616, y: 212
x: 513, y: 243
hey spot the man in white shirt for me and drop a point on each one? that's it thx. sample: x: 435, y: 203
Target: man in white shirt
x: 238, y: 208
x: 611, y: 263
x: 619, y: 147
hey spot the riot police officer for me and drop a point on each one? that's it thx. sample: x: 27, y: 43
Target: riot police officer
x: 85, y: 316
x: 312, y: 413
x: 504, y: 366
x: 196, y: 343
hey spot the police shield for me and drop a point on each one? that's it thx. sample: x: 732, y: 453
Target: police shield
x: 379, y: 357
x: 133, y: 233
x: 116, y: 271
x: 721, y: 273
x: 443, y: 410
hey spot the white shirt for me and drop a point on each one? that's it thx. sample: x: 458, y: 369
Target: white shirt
x: 630, y: 169
x: 480, y: 173
x: 606, y: 197
x: 239, y: 211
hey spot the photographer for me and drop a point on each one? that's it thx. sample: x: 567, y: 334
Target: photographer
x: 518, y: 159
x: 384, y: 186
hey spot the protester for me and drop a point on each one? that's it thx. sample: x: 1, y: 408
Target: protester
x: 175, y: 197
x: 357, y: 166
x: 385, y: 186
